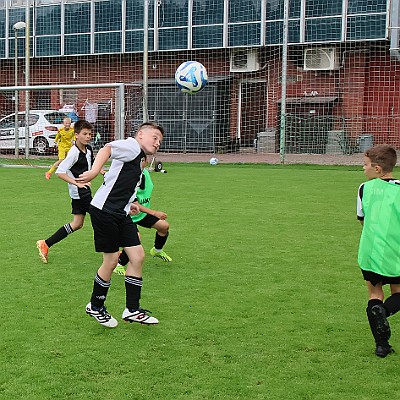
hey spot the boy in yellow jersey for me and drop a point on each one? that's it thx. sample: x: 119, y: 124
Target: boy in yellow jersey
x: 64, y: 139
x: 378, y: 209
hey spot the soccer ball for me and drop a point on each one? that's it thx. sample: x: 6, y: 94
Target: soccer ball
x: 213, y: 161
x: 191, y: 77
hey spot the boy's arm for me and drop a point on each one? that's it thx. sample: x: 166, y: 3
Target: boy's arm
x: 65, y: 177
x: 58, y: 137
x: 102, y: 157
x: 158, y: 214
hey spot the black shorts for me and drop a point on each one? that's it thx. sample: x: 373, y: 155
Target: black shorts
x: 375, y: 278
x: 112, y: 231
x: 148, y: 221
x: 81, y: 206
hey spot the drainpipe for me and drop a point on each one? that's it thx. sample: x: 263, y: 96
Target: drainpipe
x: 395, y: 29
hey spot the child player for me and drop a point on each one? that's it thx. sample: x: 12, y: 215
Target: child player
x: 148, y: 218
x: 65, y: 139
x: 113, y: 227
x: 378, y: 209
x: 78, y: 160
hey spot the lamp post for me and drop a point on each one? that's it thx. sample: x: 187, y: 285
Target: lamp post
x: 18, y: 26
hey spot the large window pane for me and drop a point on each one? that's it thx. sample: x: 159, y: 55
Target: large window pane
x: 48, y: 20
x: 16, y: 15
x: 135, y: 14
x: 294, y: 31
x: 173, y: 13
x: 244, y: 34
x: 3, y: 24
x: 323, y: 29
x: 134, y: 41
x: 48, y: 46
x: 207, y: 12
x: 77, y: 18
x: 244, y: 10
x: 170, y: 39
x: 370, y: 6
x: 274, y: 33
x: 107, y: 42
x: 208, y: 36
x: 108, y: 16
x: 275, y: 9
x: 321, y: 8
x: 77, y: 44
x: 366, y: 27
x: 2, y: 48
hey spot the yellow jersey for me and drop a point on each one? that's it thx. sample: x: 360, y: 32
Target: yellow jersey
x: 64, y: 137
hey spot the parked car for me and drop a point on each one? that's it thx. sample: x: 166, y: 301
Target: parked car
x: 43, y: 127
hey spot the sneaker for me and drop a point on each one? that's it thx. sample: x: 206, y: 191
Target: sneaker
x: 382, y: 325
x: 140, y: 316
x: 47, y: 175
x: 102, y: 316
x: 119, y: 270
x: 160, y: 254
x: 43, y: 250
x: 383, y: 351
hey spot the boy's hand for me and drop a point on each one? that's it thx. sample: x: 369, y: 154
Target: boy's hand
x: 86, y: 177
x: 160, y: 214
x: 83, y: 185
x: 134, y: 209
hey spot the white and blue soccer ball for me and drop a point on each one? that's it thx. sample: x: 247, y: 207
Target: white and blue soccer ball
x: 191, y: 77
x: 213, y: 161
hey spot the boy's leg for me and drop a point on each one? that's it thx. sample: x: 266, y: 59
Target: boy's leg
x: 392, y: 303
x: 102, y: 283
x: 133, y: 287
x: 61, y: 155
x: 161, y: 237
x: 378, y: 322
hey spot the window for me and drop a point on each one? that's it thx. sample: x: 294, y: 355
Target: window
x: 135, y: 14
x: 170, y: 39
x: 108, y: 16
x: 244, y: 34
x: 77, y: 44
x: 208, y: 36
x: 370, y: 6
x: 134, y: 41
x: 173, y: 13
x: 366, y: 27
x: 108, y: 42
x: 48, y: 20
x: 321, y: 8
x: 48, y: 46
x: 77, y: 18
x: 323, y: 29
x: 244, y: 10
x: 207, y: 12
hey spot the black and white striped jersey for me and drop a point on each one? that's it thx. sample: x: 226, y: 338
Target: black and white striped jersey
x: 75, y: 164
x: 122, y: 179
x: 360, y: 213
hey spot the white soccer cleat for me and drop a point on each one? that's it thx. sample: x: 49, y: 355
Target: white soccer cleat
x: 140, y: 316
x: 102, y: 316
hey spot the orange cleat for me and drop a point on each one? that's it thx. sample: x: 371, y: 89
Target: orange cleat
x: 43, y: 250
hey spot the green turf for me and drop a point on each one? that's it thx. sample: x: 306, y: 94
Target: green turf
x: 263, y: 299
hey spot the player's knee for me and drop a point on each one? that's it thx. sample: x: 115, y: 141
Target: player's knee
x: 163, y: 228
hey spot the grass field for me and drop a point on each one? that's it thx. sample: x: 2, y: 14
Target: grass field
x: 263, y: 299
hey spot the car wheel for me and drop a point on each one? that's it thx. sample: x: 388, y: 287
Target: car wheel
x: 40, y: 146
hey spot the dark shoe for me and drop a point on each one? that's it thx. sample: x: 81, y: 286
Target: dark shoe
x: 383, y: 351
x: 382, y: 325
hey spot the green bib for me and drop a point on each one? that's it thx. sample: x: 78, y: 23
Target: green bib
x: 379, y: 249
x: 144, y: 195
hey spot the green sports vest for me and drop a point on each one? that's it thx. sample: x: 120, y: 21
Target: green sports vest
x: 144, y: 195
x: 379, y: 249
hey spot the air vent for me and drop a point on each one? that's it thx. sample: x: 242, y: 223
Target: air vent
x: 244, y: 60
x: 320, y: 59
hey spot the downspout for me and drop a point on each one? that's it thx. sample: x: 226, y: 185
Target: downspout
x: 395, y: 29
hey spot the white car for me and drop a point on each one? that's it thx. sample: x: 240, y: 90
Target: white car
x: 43, y: 127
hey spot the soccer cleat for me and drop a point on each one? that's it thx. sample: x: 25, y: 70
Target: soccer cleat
x: 160, y: 254
x: 382, y: 324
x: 47, y: 175
x: 383, y: 351
x: 119, y: 270
x: 102, y: 316
x: 43, y: 250
x: 140, y: 316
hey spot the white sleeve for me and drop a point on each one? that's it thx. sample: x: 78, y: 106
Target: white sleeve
x: 69, y: 161
x: 124, y: 150
x: 360, y: 213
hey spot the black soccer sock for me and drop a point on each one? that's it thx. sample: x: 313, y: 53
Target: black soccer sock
x: 123, y: 258
x: 380, y: 340
x: 159, y: 241
x: 100, y: 290
x: 61, y: 234
x: 133, y: 288
x: 392, y: 304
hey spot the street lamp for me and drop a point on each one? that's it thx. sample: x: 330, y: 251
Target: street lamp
x: 18, y: 26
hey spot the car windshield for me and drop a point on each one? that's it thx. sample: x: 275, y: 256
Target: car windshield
x: 56, y: 117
